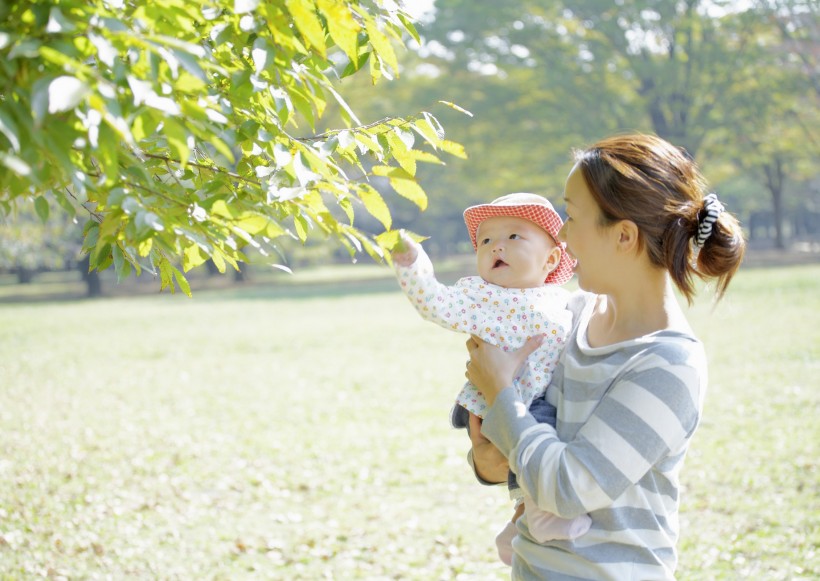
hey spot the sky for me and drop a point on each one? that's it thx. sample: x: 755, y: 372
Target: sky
x: 417, y: 7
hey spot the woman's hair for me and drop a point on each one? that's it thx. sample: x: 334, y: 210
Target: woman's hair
x: 658, y: 186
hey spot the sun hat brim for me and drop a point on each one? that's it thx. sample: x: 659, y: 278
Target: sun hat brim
x: 529, y: 207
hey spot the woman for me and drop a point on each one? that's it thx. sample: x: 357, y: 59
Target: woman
x: 629, y: 386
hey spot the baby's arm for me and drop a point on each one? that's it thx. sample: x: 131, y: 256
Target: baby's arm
x: 436, y: 302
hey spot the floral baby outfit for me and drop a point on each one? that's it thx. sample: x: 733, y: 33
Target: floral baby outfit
x: 501, y: 316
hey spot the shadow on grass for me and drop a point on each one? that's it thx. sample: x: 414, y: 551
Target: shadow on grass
x: 62, y: 287
x: 267, y: 291
x: 324, y: 281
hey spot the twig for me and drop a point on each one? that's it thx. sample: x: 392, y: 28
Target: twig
x: 167, y: 159
x: 97, y: 216
x: 332, y: 132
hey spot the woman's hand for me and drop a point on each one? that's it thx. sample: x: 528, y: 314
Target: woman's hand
x: 489, y: 463
x: 491, y: 369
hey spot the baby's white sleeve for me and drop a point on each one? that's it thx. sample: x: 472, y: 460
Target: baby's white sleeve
x: 435, y: 302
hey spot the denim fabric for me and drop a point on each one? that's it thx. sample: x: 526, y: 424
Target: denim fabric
x: 544, y: 413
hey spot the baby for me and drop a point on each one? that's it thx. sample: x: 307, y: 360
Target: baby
x: 517, y: 295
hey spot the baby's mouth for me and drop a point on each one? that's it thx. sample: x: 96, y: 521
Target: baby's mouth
x: 499, y: 263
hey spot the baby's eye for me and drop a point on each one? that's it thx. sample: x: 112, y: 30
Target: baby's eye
x: 485, y: 241
x: 515, y: 236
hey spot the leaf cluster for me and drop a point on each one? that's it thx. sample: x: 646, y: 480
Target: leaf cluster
x: 178, y: 127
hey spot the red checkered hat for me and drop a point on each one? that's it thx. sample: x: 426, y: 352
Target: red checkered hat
x: 532, y: 207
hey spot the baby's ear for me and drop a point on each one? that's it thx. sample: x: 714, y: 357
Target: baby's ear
x: 553, y: 258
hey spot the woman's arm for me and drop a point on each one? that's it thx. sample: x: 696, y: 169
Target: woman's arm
x: 495, y: 369
x: 642, y: 423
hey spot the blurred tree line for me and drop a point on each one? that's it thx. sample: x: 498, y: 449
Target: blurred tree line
x: 735, y: 83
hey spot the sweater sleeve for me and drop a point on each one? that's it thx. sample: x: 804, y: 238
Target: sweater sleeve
x: 645, y: 415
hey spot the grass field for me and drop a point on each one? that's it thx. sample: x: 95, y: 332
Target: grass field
x: 265, y: 433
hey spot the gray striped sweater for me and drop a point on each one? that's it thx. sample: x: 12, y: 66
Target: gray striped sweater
x: 626, y: 413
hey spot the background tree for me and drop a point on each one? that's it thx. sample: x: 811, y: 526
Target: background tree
x: 768, y: 126
x: 185, y: 130
x: 543, y: 77
x: 29, y: 243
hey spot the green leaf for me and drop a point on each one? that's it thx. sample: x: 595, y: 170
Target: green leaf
x: 9, y: 129
x: 182, y: 282
x: 307, y: 22
x: 400, y: 152
x: 392, y: 240
x: 456, y: 107
x: 145, y: 124
x: 218, y: 259
x: 425, y: 128
x: 220, y: 208
x: 103, y: 258
x: 453, y: 148
x: 144, y: 247
x: 166, y: 275
x: 41, y: 206
x: 274, y: 230
x: 355, y: 65
x: 177, y: 138
x: 343, y: 28
x: 253, y: 223
x: 121, y: 264
x: 424, y: 156
x: 375, y: 205
x: 410, y: 27
x: 192, y: 257
x: 64, y: 202
x: 302, y: 227
x: 380, y: 42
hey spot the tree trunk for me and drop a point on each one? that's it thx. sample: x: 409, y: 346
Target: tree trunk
x: 92, y: 279
x: 24, y: 275
x: 775, y: 178
x: 212, y: 269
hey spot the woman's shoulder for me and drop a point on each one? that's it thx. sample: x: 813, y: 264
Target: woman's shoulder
x: 580, y: 300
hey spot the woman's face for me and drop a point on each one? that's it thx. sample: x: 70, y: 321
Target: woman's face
x: 587, y: 241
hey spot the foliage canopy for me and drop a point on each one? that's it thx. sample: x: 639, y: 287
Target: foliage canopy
x: 186, y: 129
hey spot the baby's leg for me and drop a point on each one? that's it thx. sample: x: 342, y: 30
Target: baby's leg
x: 503, y: 540
x: 545, y: 526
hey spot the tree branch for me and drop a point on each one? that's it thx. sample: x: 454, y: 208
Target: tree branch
x: 214, y: 169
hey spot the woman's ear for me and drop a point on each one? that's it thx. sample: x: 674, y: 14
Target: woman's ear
x: 628, y: 236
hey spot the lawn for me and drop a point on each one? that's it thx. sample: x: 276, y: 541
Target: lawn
x: 269, y: 433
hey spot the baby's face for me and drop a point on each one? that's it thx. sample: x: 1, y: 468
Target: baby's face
x: 514, y: 253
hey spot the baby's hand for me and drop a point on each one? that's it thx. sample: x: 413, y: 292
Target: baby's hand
x: 405, y: 252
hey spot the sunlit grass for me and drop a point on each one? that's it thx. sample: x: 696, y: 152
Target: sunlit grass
x: 248, y: 434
